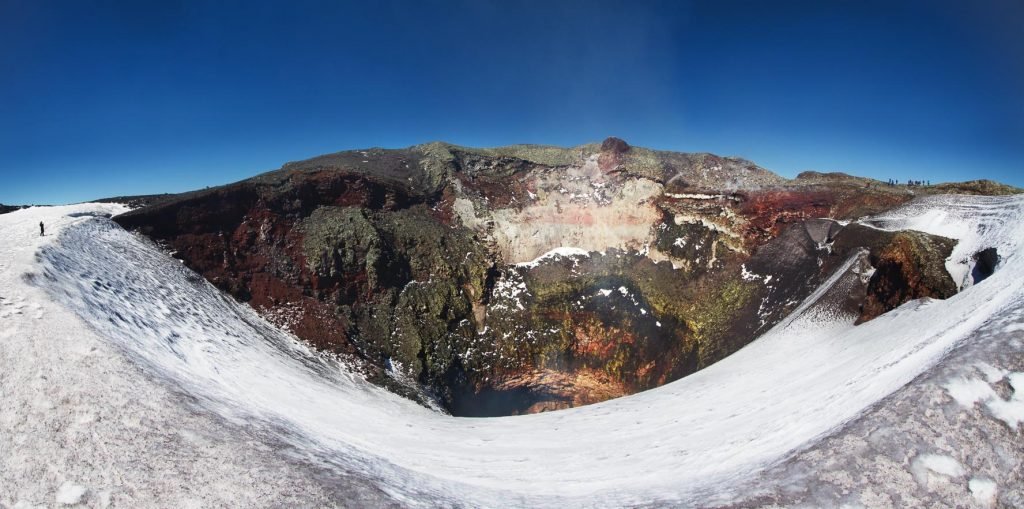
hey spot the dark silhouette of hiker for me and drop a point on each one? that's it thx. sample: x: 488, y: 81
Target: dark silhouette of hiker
x: 42, y: 229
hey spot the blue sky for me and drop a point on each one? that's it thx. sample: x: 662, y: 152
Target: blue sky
x: 102, y: 98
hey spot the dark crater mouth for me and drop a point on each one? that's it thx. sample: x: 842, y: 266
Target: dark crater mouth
x: 985, y: 262
x: 601, y: 341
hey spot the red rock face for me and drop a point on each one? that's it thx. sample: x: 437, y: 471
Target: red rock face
x: 244, y: 239
x: 504, y: 192
x: 768, y: 212
x: 260, y: 261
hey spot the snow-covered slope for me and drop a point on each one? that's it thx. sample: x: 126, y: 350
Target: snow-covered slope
x: 80, y: 422
x: 681, y: 442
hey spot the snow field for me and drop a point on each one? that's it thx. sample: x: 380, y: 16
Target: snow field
x: 801, y: 380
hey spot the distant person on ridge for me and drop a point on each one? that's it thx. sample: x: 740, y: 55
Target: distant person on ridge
x: 42, y: 229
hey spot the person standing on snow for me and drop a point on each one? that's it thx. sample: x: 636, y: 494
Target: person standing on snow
x: 42, y: 229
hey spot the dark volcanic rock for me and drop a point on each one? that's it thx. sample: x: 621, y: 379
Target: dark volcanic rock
x: 612, y: 150
x: 908, y: 265
x: 614, y: 145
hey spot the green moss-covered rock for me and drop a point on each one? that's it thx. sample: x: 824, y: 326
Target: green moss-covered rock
x: 342, y: 240
x: 425, y: 315
x: 436, y: 251
x: 538, y: 154
x: 407, y: 282
x: 711, y: 316
x: 645, y: 163
x: 979, y: 187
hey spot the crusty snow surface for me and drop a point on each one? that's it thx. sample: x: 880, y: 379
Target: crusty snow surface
x: 80, y: 422
x: 950, y: 438
x: 201, y: 400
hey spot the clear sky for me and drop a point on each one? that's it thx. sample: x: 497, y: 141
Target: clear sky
x: 102, y: 98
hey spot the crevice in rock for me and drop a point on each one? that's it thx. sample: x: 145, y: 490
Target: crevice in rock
x: 985, y: 262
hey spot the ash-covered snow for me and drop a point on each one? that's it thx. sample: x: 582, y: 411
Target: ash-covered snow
x: 871, y: 461
x: 690, y: 442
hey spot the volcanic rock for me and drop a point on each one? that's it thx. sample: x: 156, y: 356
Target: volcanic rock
x: 614, y: 145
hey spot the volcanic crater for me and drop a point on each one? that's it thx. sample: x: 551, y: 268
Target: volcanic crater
x: 527, y: 278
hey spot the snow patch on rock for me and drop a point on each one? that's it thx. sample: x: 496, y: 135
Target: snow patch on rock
x: 70, y: 493
x: 984, y: 491
x: 554, y: 254
x: 931, y: 468
x: 968, y: 391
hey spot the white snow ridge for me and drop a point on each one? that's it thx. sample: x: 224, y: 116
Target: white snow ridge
x: 200, y: 402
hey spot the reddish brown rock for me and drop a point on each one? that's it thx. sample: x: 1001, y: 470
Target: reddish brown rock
x: 909, y: 267
x: 612, y: 150
x: 614, y: 145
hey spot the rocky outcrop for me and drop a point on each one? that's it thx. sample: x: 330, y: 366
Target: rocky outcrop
x: 614, y: 145
x: 530, y: 278
x: 975, y: 187
x: 612, y: 150
x: 907, y: 265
